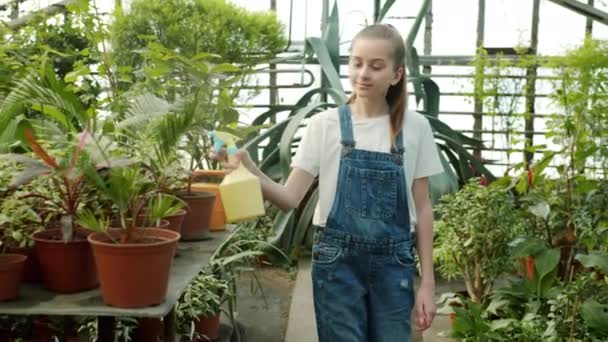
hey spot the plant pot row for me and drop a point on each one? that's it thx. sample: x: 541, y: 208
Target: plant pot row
x: 152, y: 329
x: 130, y: 274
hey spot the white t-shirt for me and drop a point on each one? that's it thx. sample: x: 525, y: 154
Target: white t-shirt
x: 320, y: 148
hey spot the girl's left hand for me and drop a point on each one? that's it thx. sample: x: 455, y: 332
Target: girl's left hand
x: 425, y: 308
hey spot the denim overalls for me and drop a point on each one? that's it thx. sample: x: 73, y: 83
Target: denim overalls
x: 363, y: 265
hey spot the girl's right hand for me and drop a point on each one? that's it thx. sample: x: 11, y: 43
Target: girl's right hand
x: 241, y: 156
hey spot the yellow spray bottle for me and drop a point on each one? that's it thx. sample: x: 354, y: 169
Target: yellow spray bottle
x: 241, y: 191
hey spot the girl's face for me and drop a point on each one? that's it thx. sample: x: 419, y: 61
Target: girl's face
x: 372, y: 69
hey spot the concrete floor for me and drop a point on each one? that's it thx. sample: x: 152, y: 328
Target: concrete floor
x: 284, y: 313
x: 264, y: 315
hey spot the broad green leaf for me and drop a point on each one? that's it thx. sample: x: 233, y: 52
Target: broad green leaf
x: 523, y: 247
x: 597, y: 260
x: 320, y: 49
x: 545, y: 264
x: 332, y: 36
x: 431, y: 96
x: 224, y: 67
x: 54, y: 113
x: 158, y: 70
x: 289, y: 133
x: 72, y: 76
x: 304, y: 222
x: 541, y: 210
x: 385, y: 8
x: 497, y: 304
x: 502, y: 323
x: 595, y: 316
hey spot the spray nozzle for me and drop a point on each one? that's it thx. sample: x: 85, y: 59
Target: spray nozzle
x: 221, y: 139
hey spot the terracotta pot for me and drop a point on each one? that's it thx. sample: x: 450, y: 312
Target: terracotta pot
x: 176, y: 221
x: 134, y: 275
x: 71, y: 338
x: 42, y: 329
x: 149, y: 329
x: 209, y: 180
x: 5, y: 336
x: 11, y: 275
x: 67, y: 267
x: 31, y: 273
x: 198, y: 217
x: 208, y: 328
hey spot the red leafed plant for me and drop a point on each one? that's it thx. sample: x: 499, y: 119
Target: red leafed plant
x: 68, y: 176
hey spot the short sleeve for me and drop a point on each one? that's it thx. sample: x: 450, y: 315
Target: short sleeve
x: 428, y: 162
x: 308, y: 155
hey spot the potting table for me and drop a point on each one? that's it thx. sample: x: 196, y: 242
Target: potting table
x: 191, y: 257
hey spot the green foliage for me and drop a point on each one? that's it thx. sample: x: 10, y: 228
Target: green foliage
x: 63, y: 41
x: 476, y: 225
x: 203, y: 298
x: 20, y: 214
x: 582, y: 126
x: 197, y: 26
x: 200, y: 92
x: 490, y: 84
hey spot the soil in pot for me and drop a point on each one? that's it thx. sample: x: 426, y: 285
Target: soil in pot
x: 196, y: 224
x: 11, y: 275
x: 134, y: 275
x: 67, y: 267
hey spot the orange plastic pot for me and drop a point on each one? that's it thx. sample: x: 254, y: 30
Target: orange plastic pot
x: 134, y: 275
x: 218, y: 216
x: 196, y: 225
x: 67, y: 267
x: 11, y: 275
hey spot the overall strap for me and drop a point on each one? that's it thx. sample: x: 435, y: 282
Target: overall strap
x: 346, y: 127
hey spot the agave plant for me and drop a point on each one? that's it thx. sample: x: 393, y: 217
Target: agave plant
x: 272, y: 149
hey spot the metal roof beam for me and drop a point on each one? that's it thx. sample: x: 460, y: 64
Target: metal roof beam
x: 584, y: 9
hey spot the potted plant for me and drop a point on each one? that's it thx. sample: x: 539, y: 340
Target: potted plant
x: 11, y: 275
x: 207, y: 91
x: 153, y: 130
x: 199, y: 308
x: 18, y: 223
x: 63, y: 252
x: 473, y: 234
x: 133, y: 262
x: 166, y: 208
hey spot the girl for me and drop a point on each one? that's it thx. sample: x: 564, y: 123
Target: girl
x: 373, y: 159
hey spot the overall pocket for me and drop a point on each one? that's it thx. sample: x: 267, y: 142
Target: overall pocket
x: 325, y: 254
x: 371, y: 194
x: 404, y: 256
